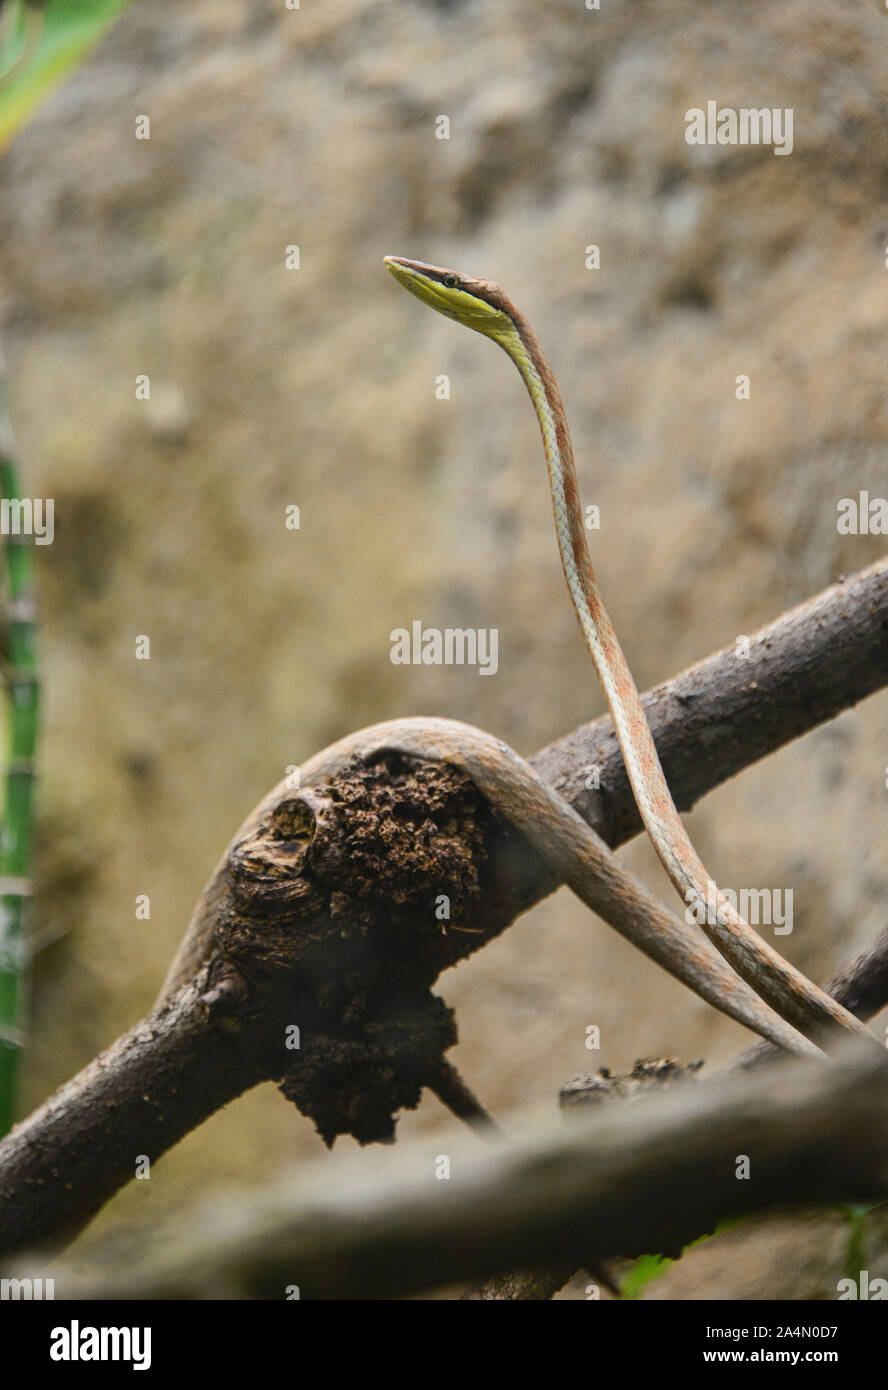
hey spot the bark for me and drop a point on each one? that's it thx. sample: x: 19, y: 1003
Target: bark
x: 861, y: 986
x: 724, y: 714
x: 134, y: 1101
x: 651, y: 1175
x: 320, y: 920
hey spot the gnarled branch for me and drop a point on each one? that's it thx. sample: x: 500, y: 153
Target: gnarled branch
x: 309, y: 933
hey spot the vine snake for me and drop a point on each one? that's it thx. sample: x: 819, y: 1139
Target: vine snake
x: 482, y: 305
x: 567, y: 843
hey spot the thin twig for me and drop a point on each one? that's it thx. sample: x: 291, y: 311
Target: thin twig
x: 452, y: 1091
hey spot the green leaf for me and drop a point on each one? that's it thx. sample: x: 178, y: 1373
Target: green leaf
x: 644, y: 1270
x: 40, y: 41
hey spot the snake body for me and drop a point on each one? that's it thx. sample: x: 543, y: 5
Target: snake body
x: 481, y: 304
x: 734, y: 969
x: 564, y: 840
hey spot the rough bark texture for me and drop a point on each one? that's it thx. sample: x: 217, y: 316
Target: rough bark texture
x: 133, y: 1102
x: 300, y: 943
x: 320, y: 916
x: 712, y: 720
x: 861, y: 985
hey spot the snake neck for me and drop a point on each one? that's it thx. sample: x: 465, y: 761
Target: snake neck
x: 785, y: 989
x: 598, y: 632
x: 658, y: 811
x: 521, y: 345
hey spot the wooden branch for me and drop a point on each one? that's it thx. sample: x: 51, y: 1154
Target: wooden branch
x: 135, y: 1100
x: 519, y: 1286
x: 724, y: 714
x: 711, y: 721
x: 861, y: 985
x: 651, y: 1175
x: 320, y: 920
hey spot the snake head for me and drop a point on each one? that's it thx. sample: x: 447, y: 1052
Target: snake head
x: 477, y: 303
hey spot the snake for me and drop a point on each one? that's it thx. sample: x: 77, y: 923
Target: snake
x: 483, y: 305
x: 729, y: 966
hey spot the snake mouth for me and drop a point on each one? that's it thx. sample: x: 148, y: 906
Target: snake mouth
x: 461, y: 297
x: 408, y: 272
x: 421, y: 280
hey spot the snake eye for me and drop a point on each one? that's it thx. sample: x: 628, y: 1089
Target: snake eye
x: 452, y: 282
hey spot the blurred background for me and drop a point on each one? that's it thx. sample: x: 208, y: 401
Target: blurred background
x: 272, y: 387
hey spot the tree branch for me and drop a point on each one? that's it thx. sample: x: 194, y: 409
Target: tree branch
x: 651, y: 1175
x: 724, y: 714
x: 311, y: 928
x: 137, y: 1099
x: 861, y: 986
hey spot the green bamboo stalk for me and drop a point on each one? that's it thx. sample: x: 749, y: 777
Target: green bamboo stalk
x: 21, y: 689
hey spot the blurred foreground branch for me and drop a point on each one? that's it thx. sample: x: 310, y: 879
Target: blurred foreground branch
x: 652, y: 1175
